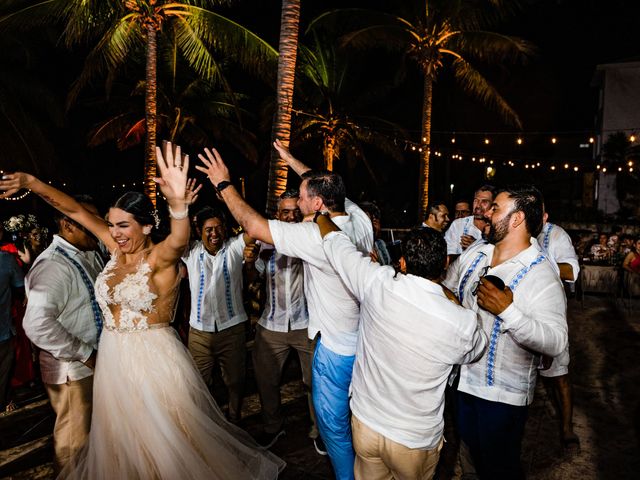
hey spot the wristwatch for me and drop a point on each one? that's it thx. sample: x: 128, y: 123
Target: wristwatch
x: 326, y: 213
x: 222, y: 185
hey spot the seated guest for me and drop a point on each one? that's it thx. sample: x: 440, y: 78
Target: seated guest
x: 631, y: 262
x: 410, y: 337
x: 601, y: 251
x: 625, y: 245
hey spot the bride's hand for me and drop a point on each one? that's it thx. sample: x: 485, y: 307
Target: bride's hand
x: 10, y: 183
x: 174, y: 167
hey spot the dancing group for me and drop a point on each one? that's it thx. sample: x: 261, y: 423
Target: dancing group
x: 385, y: 343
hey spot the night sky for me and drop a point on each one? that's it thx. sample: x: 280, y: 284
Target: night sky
x: 552, y: 94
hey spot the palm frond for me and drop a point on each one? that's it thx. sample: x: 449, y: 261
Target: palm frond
x: 475, y: 84
x: 111, y: 52
x: 238, y: 43
x: 111, y: 129
x: 490, y: 47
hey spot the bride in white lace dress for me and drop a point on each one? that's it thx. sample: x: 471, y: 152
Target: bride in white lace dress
x: 153, y: 416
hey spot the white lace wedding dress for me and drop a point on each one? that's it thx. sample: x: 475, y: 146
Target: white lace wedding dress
x: 153, y: 416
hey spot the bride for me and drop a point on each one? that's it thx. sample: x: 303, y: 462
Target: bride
x: 153, y: 416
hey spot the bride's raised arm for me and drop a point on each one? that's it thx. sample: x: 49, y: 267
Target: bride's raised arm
x: 174, y: 168
x: 10, y: 183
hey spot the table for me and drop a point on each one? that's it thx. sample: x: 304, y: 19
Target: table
x: 599, y: 278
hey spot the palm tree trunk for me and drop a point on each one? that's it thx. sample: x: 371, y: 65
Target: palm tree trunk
x: 423, y: 180
x: 150, y: 107
x: 281, y: 130
x: 328, y: 152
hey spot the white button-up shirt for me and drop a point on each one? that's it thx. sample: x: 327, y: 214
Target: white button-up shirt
x: 459, y: 227
x: 333, y: 310
x: 286, y: 307
x: 557, y: 243
x: 59, y: 319
x: 215, y: 282
x: 410, y: 337
x: 535, y: 323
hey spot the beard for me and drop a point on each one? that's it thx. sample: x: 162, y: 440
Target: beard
x: 499, y: 230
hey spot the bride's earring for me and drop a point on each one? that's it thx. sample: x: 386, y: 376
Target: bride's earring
x: 146, y: 230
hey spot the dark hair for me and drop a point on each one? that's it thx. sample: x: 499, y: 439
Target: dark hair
x: 209, y: 212
x: 433, y: 207
x: 328, y: 186
x: 528, y: 200
x: 290, y: 193
x: 487, y: 188
x: 138, y: 205
x: 58, y: 216
x: 425, y: 252
x: 371, y: 209
x: 462, y: 200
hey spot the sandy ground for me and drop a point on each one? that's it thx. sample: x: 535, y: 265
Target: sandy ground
x: 605, y: 371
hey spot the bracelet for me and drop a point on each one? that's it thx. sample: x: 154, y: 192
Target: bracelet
x: 179, y: 215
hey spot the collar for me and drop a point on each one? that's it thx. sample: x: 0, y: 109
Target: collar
x: 525, y: 257
x: 202, y: 249
x: 58, y: 241
x: 341, y: 220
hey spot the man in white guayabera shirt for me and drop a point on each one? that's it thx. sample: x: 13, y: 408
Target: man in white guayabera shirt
x: 523, y: 320
x: 217, y: 319
x: 464, y: 231
x: 410, y: 337
x: 557, y: 244
x: 64, y: 321
x: 282, y: 327
x: 333, y: 311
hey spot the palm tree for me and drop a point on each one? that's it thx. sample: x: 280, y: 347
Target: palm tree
x: 333, y: 101
x: 124, y: 27
x: 281, y: 128
x: 439, y: 34
x: 192, y: 115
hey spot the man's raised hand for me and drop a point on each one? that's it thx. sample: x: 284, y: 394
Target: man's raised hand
x: 214, y: 167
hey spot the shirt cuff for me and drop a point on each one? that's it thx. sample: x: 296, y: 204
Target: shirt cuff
x: 84, y: 352
x: 510, y: 317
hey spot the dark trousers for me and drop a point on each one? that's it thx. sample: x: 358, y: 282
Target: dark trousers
x: 7, y: 354
x: 270, y: 351
x: 493, y: 434
x: 228, y: 348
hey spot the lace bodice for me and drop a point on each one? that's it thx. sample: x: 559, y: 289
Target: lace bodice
x: 128, y: 299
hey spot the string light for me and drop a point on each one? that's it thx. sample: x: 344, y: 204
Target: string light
x: 486, y: 141
x: 453, y: 139
x: 519, y: 141
x: 591, y: 140
x: 19, y: 197
x: 554, y: 140
x: 632, y: 138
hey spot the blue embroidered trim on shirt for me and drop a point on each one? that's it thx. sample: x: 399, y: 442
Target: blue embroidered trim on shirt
x: 467, y: 274
x: 545, y: 241
x: 495, y: 331
x: 97, y: 313
x: 201, y: 289
x: 272, y: 276
x: 465, y: 230
x: 227, y: 285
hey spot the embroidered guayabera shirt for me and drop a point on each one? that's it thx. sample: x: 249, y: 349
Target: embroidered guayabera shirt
x: 459, y: 227
x: 333, y: 310
x: 215, y: 282
x: 535, y: 323
x: 285, y: 308
x: 60, y: 318
x: 557, y: 243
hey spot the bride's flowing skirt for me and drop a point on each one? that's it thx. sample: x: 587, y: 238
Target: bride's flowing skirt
x: 153, y: 418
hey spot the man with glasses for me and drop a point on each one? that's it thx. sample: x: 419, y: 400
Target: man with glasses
x: 523, y: 320
x: 462, y: 209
